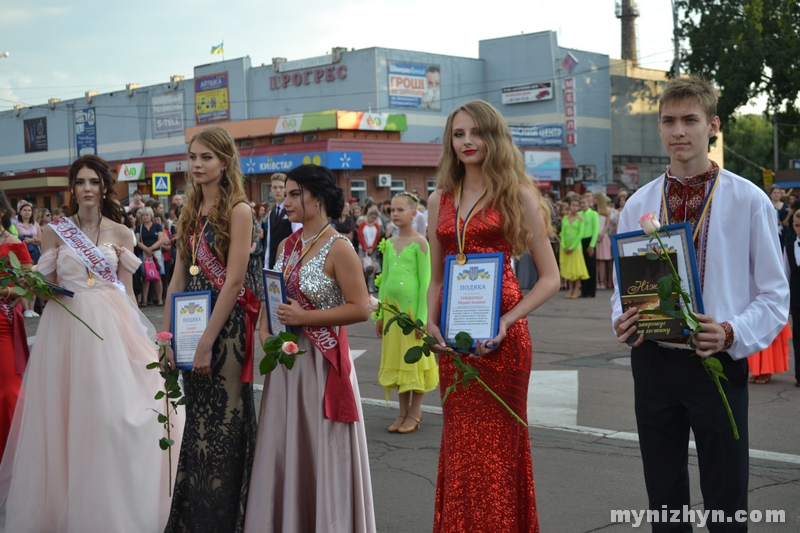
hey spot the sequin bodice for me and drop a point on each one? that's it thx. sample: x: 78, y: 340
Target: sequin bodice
x: 321, y: 290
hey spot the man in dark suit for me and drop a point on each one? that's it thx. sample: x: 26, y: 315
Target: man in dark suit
x: 278, y: 226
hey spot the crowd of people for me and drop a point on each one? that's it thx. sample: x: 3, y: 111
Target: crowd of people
x: 302, y: 464
x: 584, y: 224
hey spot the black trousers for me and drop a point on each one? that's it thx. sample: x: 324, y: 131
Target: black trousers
x: 795, y: 311
x: 589, y: 286
x: 673, y: 393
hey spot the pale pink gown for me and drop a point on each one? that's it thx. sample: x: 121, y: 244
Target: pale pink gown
x: 83, y: 454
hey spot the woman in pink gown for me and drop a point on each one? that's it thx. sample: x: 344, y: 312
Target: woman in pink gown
x: 83, y: 454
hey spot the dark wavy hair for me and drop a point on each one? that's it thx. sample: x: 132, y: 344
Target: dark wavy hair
x: 109, y: 207
x: 319, y: 181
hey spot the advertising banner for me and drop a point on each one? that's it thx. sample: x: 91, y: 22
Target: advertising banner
x: 316, y: 120
x: 167, y: 111
x: 35, y: 134
x: 630, y: 177
x: 543, y: 166
x: 131, y: 172
x: 540, y: 135
x: 360, y: 120
x: 415, y: 86
x: 283, y: 163
x: 532, y: 92
x: 86, y: 131
x: 211, y: 98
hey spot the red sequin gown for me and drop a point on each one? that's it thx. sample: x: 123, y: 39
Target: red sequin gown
x: 485, y: 481
x: 14, y: 351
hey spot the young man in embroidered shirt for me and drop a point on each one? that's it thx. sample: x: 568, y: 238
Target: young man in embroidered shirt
x: 746, y: 299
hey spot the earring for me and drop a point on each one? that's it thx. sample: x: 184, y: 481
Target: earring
x: 319, y: 210
x: 224, y: 181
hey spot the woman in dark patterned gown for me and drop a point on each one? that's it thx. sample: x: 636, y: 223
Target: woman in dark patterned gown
x: 481, y: 171
x: 216, y: 456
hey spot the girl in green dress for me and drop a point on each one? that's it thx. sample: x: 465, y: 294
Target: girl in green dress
x: 404, y: 282
x: 573, y: 267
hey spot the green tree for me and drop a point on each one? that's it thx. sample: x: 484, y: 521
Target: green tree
x: 749, y: 48
x: 748, y: 147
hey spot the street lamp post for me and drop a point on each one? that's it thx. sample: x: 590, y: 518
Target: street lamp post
x: 676, y: 61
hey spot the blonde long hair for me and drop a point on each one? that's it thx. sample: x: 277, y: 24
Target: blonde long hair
x: 231, y: 192
x: 503, y: 171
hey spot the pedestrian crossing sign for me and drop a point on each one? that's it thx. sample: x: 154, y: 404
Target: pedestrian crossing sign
x: 161, y: 184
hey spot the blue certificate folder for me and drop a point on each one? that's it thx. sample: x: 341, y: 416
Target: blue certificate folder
x: 188, y: 308
x: 472, y: 296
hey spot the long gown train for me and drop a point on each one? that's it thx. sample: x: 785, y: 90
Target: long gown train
x: 84, y: 455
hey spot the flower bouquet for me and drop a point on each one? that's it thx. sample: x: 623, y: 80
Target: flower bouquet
x: 667, y: 287
x: 464, y: 372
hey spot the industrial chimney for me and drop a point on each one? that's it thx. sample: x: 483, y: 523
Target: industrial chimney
x: 627, y: 13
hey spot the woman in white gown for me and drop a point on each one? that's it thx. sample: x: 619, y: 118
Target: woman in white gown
x: 83, y: 454
x: 311, y: 468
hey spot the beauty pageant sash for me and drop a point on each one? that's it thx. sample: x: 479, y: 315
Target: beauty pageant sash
x: 250, y: 304
x: 86, y: 251
x: 340, y: 400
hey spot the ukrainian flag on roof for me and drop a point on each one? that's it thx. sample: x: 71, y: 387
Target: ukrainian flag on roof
x: 219, y: 49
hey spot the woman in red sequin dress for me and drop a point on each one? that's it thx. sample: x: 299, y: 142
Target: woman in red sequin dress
x: 12, y: 328
x: 485, y: 480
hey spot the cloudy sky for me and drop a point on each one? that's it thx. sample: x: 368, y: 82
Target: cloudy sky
x: 62, y: 49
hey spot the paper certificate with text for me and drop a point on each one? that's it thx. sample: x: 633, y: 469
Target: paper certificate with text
x: 472, y: 295
x: 190, y: 314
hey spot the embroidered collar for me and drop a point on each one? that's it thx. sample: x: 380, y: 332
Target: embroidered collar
x: 693, y: 180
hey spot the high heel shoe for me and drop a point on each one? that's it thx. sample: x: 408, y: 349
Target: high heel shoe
x: 410, y: 429
x: 397, y: 424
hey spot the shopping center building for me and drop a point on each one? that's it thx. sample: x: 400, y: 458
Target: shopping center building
x: 375, y: 116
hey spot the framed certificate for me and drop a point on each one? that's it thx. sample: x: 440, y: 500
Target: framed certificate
x: 678, y: 241
x: 471, y: 296
x: 190, y: 314
x: 274, y: 295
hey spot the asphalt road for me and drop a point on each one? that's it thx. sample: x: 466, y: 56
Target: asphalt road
x: 583, y: 432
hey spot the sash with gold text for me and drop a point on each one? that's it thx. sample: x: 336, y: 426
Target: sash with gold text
x: 87, y: 252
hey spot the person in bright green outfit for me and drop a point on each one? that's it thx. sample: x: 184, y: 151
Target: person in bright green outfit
x: 573, y: 267
x: 405, y: 277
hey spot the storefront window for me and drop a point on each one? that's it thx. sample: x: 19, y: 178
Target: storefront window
x: 358, y: 189
x: 431, y: 187
x: 398, y: 186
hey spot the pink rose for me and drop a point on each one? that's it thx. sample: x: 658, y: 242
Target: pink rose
x: 290, y: 347
x: 649, y: 223
x: 163, y: 338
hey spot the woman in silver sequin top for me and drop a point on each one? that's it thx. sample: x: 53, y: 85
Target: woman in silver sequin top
x: 311, y: 438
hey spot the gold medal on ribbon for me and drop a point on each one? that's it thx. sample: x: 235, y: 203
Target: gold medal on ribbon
x: 90, y: 280
x: 194, y: 241
x: 461, y: 229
